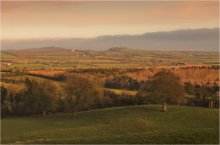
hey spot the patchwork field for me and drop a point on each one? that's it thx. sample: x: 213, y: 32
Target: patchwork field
x: 60, y: 58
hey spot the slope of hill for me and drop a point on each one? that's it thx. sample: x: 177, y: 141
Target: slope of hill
x: 46, y: 48
x: 191, y: 39
x: 46, y: 51
x: 135, y: 124
x: 118, y: 49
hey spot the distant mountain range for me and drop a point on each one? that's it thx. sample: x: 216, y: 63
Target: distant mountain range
x: 189, y: 40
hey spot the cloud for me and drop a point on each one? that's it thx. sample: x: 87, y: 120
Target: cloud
x: 36, y: 19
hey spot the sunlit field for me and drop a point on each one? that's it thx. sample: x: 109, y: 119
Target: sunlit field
x: 137, y: 124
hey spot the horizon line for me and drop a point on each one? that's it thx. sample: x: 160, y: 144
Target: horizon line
x: 99, y: 36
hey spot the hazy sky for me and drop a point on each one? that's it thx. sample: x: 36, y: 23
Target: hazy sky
x: 27, y: 20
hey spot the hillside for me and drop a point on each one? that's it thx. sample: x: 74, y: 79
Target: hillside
x: 45, y: 51
x: 46, y: 48
x: 136, y: 124
x: 118, y: 49
x: 203, y: 40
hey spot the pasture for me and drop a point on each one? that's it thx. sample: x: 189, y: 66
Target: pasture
x: 59, y: 58
x: 135, y: 124
x: 120, y: 92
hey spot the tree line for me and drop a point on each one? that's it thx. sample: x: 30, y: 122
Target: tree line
x: 123, y: 82
x: 43, y: 97
x: 76, y: 94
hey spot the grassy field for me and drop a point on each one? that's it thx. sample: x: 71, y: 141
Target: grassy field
x: 135, y: 124
x: 120, y: 92
x: 127, y: 58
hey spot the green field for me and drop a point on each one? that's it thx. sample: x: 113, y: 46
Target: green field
x: 135, y: 124
x: 117, y: 58
x: 120, y: 92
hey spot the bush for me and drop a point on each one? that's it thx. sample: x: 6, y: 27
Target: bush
x: 122, y: 82
x: 112, y: 99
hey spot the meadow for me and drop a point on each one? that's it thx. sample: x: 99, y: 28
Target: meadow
x: 120, y: 92
x: 136, y: 124
x: 60, y: 58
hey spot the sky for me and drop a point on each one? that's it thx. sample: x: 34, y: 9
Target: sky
x: 83, y: 19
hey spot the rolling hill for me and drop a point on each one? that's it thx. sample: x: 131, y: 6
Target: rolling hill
x: 191, y: 39
x: 136, y: 124
x: 46, y: 51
